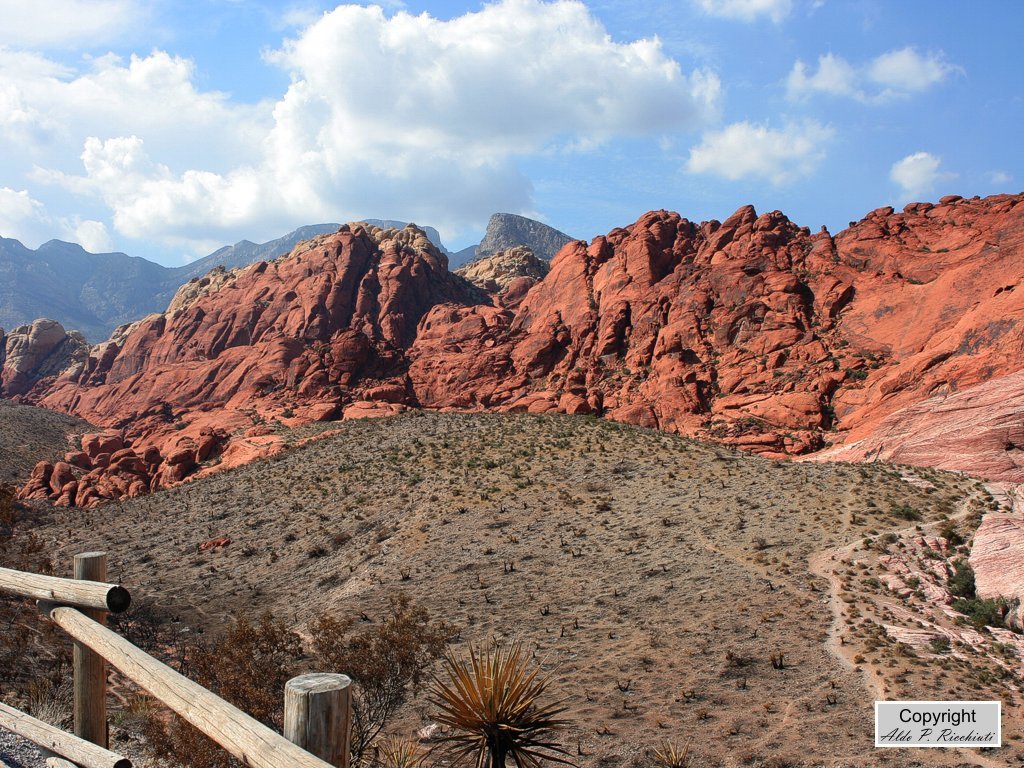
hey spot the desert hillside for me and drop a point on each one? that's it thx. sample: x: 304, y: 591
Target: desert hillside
x: 655, y: 577
x: 30, y: 435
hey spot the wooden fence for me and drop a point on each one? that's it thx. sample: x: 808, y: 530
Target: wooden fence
x: 317, y: 707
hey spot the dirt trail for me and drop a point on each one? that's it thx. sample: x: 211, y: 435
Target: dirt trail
x: 823, y: 564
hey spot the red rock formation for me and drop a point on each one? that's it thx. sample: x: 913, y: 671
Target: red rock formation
x: 751, y: 331
x: 996, y: 553
x: 294, y: 339
x: 722, y: 329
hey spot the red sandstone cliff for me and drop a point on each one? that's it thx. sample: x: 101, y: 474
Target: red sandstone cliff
x: 751, y: 331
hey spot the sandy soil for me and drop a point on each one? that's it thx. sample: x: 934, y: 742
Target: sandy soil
x: 654, y: 577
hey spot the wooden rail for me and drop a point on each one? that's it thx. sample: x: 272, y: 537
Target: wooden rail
x: 79, y: 751
x: 317, y: 707
x: 81, y: 594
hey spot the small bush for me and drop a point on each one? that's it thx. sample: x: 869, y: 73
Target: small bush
x: 951, y: 534
x: 492, y: 702
x: 905, y: 512
x: 961, y: 582
x: 984, y: 613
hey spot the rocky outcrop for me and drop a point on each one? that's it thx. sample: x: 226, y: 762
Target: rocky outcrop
x: 513, y: 271
x: 719, y: 327
x: 902, y: 332
x: 977, y: 430
x: 96, y: 292
x: 996, y: 557
x: 507, y: 230
x: 291, y: 340
x: 35, y: 352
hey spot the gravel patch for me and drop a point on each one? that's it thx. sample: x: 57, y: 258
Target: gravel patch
x: 17, y: 752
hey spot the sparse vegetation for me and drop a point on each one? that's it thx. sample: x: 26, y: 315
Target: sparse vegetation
x: 616, y: 555
x: 961, y: 581
x: 669, y: 755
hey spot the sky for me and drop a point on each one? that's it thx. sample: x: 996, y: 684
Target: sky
x: 167, y: 129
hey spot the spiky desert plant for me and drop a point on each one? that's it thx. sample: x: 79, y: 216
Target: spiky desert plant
x: 671, y: 756
x: 400, y: 752
x: 492, y: 703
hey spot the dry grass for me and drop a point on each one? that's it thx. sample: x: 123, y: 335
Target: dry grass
x: 655, y: 579
x: 29, y: 435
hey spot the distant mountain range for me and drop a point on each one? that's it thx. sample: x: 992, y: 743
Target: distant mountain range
x: 96, y: 292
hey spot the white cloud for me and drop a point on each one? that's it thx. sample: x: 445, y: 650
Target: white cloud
x: 20, y: 214
x: 745, y: 149
x: 999, y: 177
x: 747, y: 10
x: 298, y: 16
x: 907, y: 71
x: 507, y: 79
x: 918, y: 174
x: 405, y: 116
x: 51, y: 109
x: 894, y: 74
x: 64, y: 23
x: 93, y: 236
x: 835, y: 76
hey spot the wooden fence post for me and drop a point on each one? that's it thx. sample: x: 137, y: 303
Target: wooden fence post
x: 318, y: 715
x: 90, y: 670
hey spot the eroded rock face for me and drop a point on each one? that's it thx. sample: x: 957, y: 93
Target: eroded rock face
x: 903, y: 330
x: 978, y: 430
x: 996, y: 555
x: 34, y: 352
x: 720, y: 329
x: 498, y: 272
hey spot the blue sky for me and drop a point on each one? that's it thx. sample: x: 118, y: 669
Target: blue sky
x: 166, y: 129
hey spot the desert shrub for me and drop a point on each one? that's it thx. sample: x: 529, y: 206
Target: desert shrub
x: 961, y: 582
x: 951, y: 533
x: 34, y: 656
x: 984, y: 613
x: 397, y: 752
x: 670, y: 755
x: 905, y: 512
x: 247, y: 666
x: 157, y: 631
x: 386, y: 661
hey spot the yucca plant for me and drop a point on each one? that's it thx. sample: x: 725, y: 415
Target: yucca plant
x: 399, y: 752
x: 492, y: 703
x: 671, y: 756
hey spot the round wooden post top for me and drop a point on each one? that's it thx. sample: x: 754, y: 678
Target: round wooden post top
x: 90, y: 555
x: 319, y: 682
